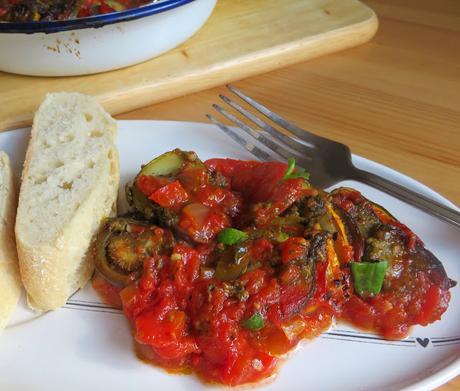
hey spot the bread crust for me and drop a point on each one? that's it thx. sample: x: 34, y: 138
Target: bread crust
x: 10, y: 282
x: 61, y: 205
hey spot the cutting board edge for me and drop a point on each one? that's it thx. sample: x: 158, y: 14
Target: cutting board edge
x: 273, y: 58
x: 252, y: 64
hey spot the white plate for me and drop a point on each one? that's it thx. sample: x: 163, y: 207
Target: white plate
x: 87, y: 345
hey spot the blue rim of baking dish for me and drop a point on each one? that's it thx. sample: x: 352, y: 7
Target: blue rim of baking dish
x: 91, y: 21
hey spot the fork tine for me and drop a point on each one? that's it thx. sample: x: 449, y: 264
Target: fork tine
x: 256, y: 151
x: 251, y: 148
x: 301, y: 133
x: 292, y: 143
x: 273, y: 145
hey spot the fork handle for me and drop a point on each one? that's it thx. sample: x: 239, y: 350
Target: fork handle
x: 411, y: 197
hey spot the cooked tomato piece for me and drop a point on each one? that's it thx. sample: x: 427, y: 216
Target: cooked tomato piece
x: 255, y: 180
x: 202, y: 223
x: 194, y: 178
x: 165, y: 332
x: 172, y: 195
x: 260, y: 262
x: 224, y: 199
x: 293, y: 249
x: 148, y: 184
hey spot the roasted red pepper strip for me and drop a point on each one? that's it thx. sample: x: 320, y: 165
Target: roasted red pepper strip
x: 228, y: 308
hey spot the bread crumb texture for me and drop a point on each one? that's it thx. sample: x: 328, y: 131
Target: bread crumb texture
x: 69, y: 183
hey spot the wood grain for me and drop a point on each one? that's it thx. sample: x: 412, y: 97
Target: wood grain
x: 395, y: 100
x: 242, y: 38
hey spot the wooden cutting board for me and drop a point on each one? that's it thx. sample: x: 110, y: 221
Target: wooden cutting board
x: 242, y: 38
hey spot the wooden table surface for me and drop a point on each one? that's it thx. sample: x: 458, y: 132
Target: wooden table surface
x: 394, y: 100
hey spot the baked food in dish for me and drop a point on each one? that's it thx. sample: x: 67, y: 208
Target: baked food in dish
x: 48, y: 10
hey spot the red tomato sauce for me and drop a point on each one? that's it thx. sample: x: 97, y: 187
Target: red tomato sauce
x: 230, y: 312
x: 190, y: 321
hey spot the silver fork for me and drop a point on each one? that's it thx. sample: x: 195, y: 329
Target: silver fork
x: 327, y: 161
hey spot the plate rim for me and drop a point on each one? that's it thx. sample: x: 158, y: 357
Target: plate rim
x: 441, y: 376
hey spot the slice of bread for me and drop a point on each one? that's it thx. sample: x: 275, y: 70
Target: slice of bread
x: 69, y: 184
x: 10, y: 282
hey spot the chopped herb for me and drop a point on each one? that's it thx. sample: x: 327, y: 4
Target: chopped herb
x: 368, y: 277
x: 290, y: 168
x: 231, y: 236
x: 291, y: 174
x: 255, y: 322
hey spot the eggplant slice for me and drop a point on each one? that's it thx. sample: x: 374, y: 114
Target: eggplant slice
x: 123, y: 244
x: 386, y: 239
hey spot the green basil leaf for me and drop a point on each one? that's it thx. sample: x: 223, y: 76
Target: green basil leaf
x: 299, y: 174
x: 231, y: 236
x: 290, y: 167
x: 291, y: 174
x: 368, y: 277
x: 255, y: 322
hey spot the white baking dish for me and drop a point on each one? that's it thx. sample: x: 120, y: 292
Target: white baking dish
x: 100, y: 43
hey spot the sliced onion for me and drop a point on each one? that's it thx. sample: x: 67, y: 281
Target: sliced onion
x: 293, y: 330
x: 197, y: 212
